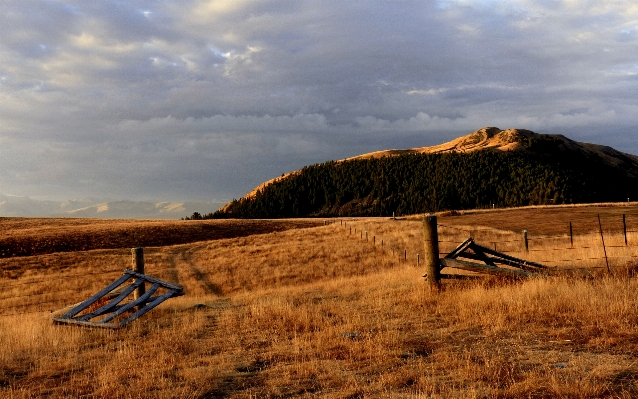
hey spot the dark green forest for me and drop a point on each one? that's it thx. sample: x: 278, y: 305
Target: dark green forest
x: 419, y: 183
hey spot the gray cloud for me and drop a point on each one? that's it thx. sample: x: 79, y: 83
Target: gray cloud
x: 205, y: 99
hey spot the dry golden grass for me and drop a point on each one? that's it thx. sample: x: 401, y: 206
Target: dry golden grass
x: 320, y: 312
x: 25, y: 237
x: 549, y: 220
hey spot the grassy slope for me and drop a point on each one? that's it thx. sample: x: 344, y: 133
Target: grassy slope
x: 320, y: 312
x: 548, y: 220
x: 33, y: 236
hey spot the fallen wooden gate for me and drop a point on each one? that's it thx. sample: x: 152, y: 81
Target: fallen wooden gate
x: 490, y: 258
x: 108, y: 302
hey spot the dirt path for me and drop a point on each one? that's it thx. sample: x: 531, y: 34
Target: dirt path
x: 178, y: 267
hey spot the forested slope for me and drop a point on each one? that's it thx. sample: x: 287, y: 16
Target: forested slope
x: 543, y: 171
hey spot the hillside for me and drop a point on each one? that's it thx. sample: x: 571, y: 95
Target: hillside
x: 489, y: 167
x: 21, y: 237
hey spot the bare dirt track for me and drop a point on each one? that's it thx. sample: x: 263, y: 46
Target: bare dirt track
x: 36, y: 236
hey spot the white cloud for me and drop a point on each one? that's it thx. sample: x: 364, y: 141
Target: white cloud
x: 223, y: 94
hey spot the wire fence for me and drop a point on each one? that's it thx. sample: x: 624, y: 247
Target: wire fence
x: 585, y: 250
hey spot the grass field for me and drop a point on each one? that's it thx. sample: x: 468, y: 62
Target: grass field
x: 303, y: 309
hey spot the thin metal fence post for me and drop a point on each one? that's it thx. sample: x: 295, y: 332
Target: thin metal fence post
x: 603, y: 240
x: 624, y: 227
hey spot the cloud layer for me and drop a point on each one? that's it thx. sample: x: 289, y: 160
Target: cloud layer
x: 194, y: 99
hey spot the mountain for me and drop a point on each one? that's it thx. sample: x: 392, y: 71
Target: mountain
x: 12, y: 206
x: 489, y: 167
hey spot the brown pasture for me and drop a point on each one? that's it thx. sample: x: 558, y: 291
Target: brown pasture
x: 26, y: 237
x: 548, y: 220
x: 310, y: 310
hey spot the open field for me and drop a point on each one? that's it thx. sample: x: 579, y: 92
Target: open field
x: 318, y: 311
x: 25, y: 237
x: 549, y: 220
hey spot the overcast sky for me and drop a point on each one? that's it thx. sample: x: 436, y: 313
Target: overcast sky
x: 189, y: 99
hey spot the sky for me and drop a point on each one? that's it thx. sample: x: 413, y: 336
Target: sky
x: 205, y: 99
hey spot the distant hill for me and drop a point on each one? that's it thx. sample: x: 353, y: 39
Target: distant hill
x: 489, y: 167
x: 12, y: 206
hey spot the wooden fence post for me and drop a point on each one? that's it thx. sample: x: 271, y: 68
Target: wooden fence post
x: 571, y: 234
x: 138, y: 267
x: 525, y: 241
x: 431, y: 254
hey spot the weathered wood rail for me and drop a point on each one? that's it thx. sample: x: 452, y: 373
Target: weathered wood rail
x: 472, y: 253
x: 105, y: 307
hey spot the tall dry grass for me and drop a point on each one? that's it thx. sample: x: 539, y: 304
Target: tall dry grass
x: 320, y: 312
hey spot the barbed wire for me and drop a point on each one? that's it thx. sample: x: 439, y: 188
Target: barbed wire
x: 584, y: 259
x: 453, y: 227
x: 541, y: 238
x: 537, y: 239
x: 566, y: 248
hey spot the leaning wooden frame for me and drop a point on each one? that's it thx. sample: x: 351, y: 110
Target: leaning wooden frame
x: 491, y: 258
x: 114, y: 294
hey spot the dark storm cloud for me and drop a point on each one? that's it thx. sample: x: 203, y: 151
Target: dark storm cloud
x: 206, y: 99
